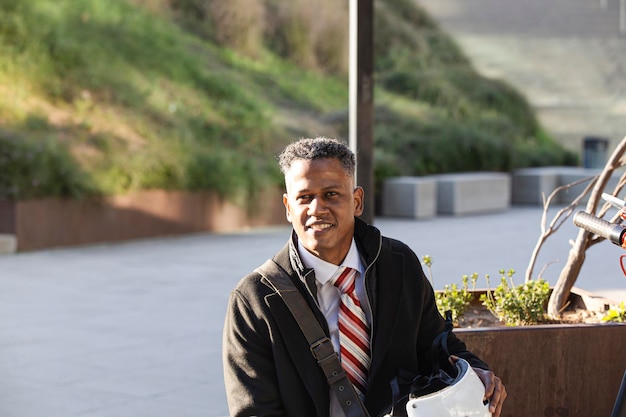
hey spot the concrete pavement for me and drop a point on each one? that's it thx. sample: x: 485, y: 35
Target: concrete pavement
x: 134, y: 329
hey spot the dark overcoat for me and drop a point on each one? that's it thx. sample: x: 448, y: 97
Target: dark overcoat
x: 268, y: 367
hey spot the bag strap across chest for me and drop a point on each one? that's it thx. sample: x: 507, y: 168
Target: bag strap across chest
x: 319, y: 343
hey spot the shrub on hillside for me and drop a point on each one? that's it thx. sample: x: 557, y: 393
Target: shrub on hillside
x: 43, y: 168
x: 128, y: 98
x: 462, y: 93
x: 412, y: 146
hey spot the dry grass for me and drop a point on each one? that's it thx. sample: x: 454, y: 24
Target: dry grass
x: 311, y: 33
x: 318, y: 33
x: 239, y: 24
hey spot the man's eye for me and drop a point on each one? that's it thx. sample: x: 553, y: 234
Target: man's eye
x: 304, y: 198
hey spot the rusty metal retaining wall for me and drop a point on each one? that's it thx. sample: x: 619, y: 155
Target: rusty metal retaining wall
x: 554, y: 370
x: 51, y: 222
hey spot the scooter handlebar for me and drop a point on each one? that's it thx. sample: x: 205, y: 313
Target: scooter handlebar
x: 611, y: 231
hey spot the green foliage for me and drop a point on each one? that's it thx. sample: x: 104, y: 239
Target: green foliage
x: 428, y: 261
x: 514, y: 305
x: 421, y: 148
x: 464, y: 94
x: 201, y: 94
x: 616, y: 314
x: 465, y: 122
x: 452, y: 298
x: 518, y: 305
x: 172, y: 110
x: 456, y: 299
x: 43, y: 168
x: 428, y: 143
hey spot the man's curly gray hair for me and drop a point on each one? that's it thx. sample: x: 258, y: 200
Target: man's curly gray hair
x: 317, y: 148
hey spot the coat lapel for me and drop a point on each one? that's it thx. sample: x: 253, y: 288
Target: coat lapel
x: 389, y: 269
x: 297, y: 348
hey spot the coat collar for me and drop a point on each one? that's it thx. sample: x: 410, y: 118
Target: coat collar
x: 383, y: 263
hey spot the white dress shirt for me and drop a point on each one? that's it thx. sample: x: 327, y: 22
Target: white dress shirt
x: 328, y: 296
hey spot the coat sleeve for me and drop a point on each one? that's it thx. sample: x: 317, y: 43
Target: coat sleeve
x: 434, y: 324
x: 249, y: 373
x: 430, y: 322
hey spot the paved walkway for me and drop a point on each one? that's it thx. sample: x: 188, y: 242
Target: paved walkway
x: 566, y: 56
x: 134, y: 329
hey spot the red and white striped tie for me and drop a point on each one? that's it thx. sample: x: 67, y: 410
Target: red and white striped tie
x: 354, y: 339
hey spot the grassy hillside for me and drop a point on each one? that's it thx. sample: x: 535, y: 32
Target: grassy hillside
x: 101, y: 97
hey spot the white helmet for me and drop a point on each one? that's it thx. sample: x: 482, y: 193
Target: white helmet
x: 463, y: 398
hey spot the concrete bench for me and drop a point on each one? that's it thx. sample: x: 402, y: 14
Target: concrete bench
x: 413, y: 197
x: 8, y: 243
x: 567, y: 196
x: 529, y: 184
x: 473, y: 192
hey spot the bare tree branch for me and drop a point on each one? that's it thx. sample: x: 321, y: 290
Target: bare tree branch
x: 585, y: 239
x: 559, y: 218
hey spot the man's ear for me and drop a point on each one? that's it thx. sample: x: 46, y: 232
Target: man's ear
x: 286, y: 203
x: 358, y: 200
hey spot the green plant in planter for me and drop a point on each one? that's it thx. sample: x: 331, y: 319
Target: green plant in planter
x: 456, y: 299
x: 617, y: 314
x: 452, y: 298
x: 428, y: 261
x: 517, y: 305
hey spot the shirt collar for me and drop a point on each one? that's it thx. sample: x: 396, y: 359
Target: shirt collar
x: 325, y: 270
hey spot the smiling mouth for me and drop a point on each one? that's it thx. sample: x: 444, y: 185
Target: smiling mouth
x: 318, y: 227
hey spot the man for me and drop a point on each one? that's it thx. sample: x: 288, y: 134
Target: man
x: 268, y: 367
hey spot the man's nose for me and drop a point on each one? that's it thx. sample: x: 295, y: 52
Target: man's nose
x: 317, y: 206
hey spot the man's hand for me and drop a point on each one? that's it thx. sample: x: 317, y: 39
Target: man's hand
x: 495, y: 392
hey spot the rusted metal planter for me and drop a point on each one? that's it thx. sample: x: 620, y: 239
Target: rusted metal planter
x: 53, y: 222
x: 555, y: 370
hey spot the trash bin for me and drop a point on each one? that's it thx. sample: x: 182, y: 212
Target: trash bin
x: 595, y: 152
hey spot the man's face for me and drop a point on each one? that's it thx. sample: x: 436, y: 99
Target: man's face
x: 321, y: 203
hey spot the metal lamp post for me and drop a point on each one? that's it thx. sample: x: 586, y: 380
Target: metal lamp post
x: 361, y: 88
